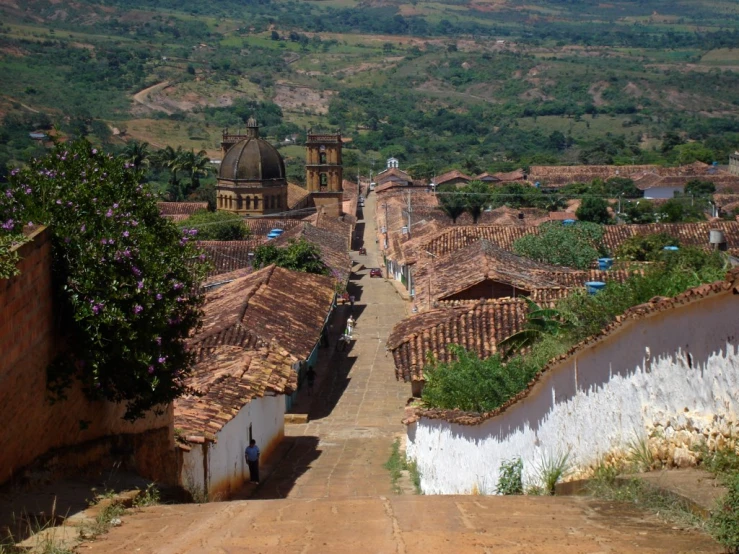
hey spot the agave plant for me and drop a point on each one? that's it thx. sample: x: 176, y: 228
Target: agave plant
x: 539, y: 322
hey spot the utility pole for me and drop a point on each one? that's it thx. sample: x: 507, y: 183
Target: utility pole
x: 409, y: 214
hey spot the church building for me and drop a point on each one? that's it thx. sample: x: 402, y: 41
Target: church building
x: 251, y: 179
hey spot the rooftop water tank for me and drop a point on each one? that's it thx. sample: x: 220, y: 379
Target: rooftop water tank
x: 671, y: 248
x: 594, y: 286
x: 717, y: 239
x: 605, y: 263
x: 568, y: 222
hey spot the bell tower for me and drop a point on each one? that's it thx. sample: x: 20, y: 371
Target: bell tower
x: 323, y: 165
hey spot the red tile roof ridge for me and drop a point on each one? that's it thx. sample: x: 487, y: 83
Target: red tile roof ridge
x: 641, y: 311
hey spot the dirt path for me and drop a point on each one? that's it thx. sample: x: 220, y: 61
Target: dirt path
x: 142, y: 97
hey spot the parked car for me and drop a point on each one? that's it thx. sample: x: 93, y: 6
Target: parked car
x: 361, y: 199
x: 375, y: 272
x: 372, y: 186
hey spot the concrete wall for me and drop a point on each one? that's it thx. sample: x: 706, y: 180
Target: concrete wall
x: 33, y: 426
x: 674, y: 365
x: 226, y: 466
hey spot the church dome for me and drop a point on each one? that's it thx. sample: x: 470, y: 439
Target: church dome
x: 252, y: 159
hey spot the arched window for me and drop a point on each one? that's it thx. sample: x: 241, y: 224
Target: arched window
x: 256, y: 202
x: 248, y: 202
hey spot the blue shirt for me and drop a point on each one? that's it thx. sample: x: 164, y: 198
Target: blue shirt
x: 252, y: 453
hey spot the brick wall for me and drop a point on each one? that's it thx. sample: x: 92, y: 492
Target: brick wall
x: 32, y: 424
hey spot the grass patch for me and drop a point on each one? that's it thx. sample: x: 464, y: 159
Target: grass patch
x: 552, y: 468
x: 671, y: 508
x: 397, y: 464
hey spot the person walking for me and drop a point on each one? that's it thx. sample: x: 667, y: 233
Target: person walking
x: 351, y: 303
x: 310, y: 377
x: 252, y: 460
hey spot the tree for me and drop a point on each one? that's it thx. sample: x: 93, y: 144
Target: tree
x: 639, y: 212
x: 594, y: 210
x: 196, y: 165
x: 477, y: 198
x: 275, y: 35
x: 170, y: 159
x: 127, y: 279
x: 298, y: 255
x: 577, y: 245
x: 137, y: 154
x: 539, y: 322
x: 216, y: 225
x: 696, y: 187
x: 451, y: 201
x: 680, y: 210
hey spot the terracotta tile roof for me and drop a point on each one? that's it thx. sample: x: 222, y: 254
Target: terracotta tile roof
x: 350, y: 201
x: 690, y: 234
x: 562, y: 175
x: 297, y: 197
x: 478, y: 262
x: 642, y: 311
x: 517, y: 175
x: 383, y: 177
x: 229, y: 255
x: 486, y: 177
x: 181, y: 208
x: 336, y: 225
x: 271, y: 304
x: 477, y: 327
x: 333, y: 247
x: 450, y: 176
x: 224, y: 381
x: 261, y: 226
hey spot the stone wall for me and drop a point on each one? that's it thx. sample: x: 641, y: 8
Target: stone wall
x: 670, y: 378
x: 34, y: 426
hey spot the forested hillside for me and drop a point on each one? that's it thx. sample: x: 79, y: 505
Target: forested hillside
x: 480, y: 85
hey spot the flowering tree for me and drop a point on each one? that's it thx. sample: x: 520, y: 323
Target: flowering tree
x: 128, y: 280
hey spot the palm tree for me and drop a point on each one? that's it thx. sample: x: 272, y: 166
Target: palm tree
x: 170, y: 159
x: 137, y: 154
x: 451, y: 201
x: 197, y: 165
x: 539, y: 322
x: 477, y: 198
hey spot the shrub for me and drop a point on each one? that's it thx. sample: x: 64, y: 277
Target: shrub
x: 510, y: 480
x: 216, y: 225
x: 552, y: 468
x: 594, y: 210
x: 298, y: 255
x: 127, y: 279
x: 724, y: 522
x: 577, y: 245
x: 642, y: 248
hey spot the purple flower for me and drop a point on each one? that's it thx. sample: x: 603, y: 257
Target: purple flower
x: 137, y: 309
x: 109, y: 213
x: 134, y: 222
x: 28, y: 190
x: 94, y: 150
x: 96, y: 309
x: 82, y: 229
x: 151, y: 369
x: 159, y: 296
x: 136, y: 271
x: 125, y: 234
x: 30, y: 223
x: 177, y: 286
x: 140, y: 285
x: 9, y: 193
x: 162, y: 359
x: 104, y: 241
x: 15, y: 172
x: 8, y: 225
x: 115, y: 205
x: 58, y: 201
x: 158, y: 340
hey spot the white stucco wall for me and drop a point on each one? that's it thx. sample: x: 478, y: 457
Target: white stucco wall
x: 681, y: 363
x: 227, y: 469
x: 662, y: 192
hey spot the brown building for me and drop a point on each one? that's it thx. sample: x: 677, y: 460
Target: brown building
x: 251, y: 180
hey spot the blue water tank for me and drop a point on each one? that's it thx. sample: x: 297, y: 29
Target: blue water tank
x: 568, y: 222
x: 278, y: 232
x: 605, y: 263
x: 671, y: 248
x: 594, y: 286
